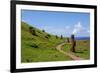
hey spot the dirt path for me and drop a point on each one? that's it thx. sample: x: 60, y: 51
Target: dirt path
x: 70, y: 54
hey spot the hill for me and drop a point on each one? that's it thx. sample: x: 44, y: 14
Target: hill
x: 39, y: 46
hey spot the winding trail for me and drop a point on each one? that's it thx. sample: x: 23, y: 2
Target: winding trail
x: 70, y: 54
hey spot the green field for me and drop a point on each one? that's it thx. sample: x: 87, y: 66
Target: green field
x: 82, y: 48
x: 39, y: 47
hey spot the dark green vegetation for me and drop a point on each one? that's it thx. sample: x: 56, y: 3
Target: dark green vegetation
x: 82, y: 48
x: 39, y: 46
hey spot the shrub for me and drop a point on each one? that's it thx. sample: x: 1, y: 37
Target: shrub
x: 34, y: 45
x: 30, y: 27
x: 43, y: 30
x: 47, y: 36
x: 28, y: 60
x: 32, y: 31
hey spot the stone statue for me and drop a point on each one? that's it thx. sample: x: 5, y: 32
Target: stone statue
x: 68, y: 40
x: 73, y: 43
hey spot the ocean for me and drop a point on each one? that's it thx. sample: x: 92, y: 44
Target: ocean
x: 82, y: 38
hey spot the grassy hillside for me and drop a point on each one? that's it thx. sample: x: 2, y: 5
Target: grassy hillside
x: 39, y: 46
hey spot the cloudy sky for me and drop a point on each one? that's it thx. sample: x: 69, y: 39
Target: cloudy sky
x: 59, y: 23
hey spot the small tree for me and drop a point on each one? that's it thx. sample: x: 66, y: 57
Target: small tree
x: 32, y: 30
x: 47, y: 36
x: 43, y: 30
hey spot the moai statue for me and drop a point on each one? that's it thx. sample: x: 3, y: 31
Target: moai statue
x: 61, y: 37
x: 73, y: 43
x: 68, y: 40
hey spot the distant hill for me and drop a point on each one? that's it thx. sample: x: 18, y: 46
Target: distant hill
x: 39, y: 46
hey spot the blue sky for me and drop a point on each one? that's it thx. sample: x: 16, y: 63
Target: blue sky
x: 59, y: 23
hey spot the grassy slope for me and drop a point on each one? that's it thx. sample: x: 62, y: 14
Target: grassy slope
x: 82, y: 48
x: 46, y: 47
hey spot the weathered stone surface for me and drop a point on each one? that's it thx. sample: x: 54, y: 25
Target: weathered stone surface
x: 73, y: 43
x: 68, y: 40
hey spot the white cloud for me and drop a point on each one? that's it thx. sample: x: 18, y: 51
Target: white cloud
x: 88, y: 31
x: 77, y: 28
x: 80, y: 30
x: 74, y: 31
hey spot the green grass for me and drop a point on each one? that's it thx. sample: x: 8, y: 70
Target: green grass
x: 38, y: 48
x: 82, y: 48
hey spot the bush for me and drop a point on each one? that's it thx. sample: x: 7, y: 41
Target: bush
x: 34, y: 45
x: 32, y: 31
x: 48, y: 36
x: 28, y: 60
x: 43, y: 30
x: 30, y: 27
